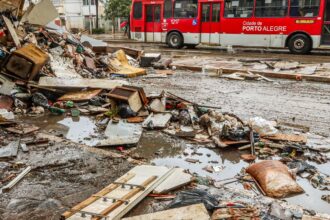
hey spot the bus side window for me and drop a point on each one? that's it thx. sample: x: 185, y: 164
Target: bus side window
x: 185, y: 8
x: 137, y: 10
x: 238, y: 8
x: 168, y: 9
x: 304, y: 8
x: 216, y: 12
x: 271, y: 8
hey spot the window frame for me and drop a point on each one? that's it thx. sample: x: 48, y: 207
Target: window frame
x: 224, y: 11
x: 302, y: 17
x: 140, y: 13
x: 172, y: 9
x: 285, y: 16
x: 196, y: 12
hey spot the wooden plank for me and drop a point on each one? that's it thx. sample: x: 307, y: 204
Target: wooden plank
x: 78, y: 84
x: 126, y: 197
x: 197, y: 211
x: 12, y: 183
x: 92, y: 199
x: 176, y: 180
x: 142, y: 174
x: 12, y: 31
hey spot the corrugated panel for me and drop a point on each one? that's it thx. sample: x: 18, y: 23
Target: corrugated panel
x: 10, y: 4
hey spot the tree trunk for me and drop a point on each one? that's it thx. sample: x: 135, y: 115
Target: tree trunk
x: 113, y: 25
x: 97, y: 13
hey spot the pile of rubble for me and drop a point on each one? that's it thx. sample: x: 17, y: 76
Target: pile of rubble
x: 47, y: 70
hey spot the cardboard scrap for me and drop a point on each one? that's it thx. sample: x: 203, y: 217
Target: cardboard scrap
x: 119, y: 65
x: 287, y: 137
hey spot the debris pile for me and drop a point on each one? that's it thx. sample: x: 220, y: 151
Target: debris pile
x: 49, y: 71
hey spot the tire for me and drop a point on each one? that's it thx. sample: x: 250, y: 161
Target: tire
x: 300, y: 44
x: 175, y: 40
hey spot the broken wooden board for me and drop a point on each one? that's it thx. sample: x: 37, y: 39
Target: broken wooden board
x: 10, y: 150
x: 78, y: 84
x: 287, y: 137
x: 12, y: 31
x: 12, y: 183
x: 23, y: 129
x: 110, y: 202
x: 130, y: 96
x: 159, y: 120
x: 81, y: 96
x: 121, y: 133
x: 176, y: 180
x: 197, y: 212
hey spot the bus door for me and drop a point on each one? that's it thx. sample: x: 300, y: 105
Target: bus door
x: 210, y: 23
x: 326, y: 24
x: 153, y: 23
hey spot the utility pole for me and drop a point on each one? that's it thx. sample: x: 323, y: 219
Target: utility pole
x: 97, y: 13
x: 90, y: 18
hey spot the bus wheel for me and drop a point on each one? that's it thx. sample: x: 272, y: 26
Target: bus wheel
x: 300, y: 44
x: 175, y: 40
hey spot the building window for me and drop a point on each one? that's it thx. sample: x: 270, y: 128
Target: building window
x: 185, y: 8
x: 271, y: 8
x: 168, y: 8
x: 137, y: 10
x: 86, y: 2
x: 238, y: 8
x: 304, y: 8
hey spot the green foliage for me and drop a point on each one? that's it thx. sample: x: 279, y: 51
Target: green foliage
x: 117, y: 8
x: 98, y: 31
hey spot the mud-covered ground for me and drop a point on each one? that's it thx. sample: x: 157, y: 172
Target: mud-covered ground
x: 66, y: 172
x: 63, y: 174
x: 303, y: 103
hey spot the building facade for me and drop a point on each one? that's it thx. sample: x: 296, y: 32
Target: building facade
x: 79, y: 14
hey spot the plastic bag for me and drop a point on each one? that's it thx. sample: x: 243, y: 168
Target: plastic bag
x: 262, y: 126
x: 124, y: 111
x: 195, y: 196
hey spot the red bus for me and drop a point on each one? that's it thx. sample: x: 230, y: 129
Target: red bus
x: 299, y: 25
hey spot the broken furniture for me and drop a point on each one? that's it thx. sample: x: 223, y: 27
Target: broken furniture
x: 26, y: 62
x: 127, y: 95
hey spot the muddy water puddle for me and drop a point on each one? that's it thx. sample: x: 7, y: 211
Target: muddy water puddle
x: 80, y: 129
x: 163, y: 150
x: 166, y: 151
